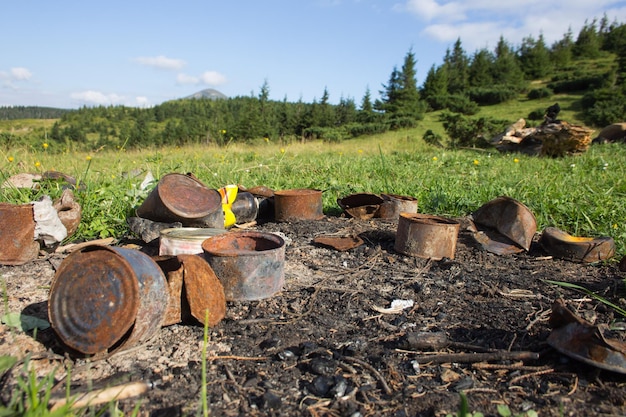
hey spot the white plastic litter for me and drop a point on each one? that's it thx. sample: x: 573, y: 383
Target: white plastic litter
x: 148, y: 180
x: 396, y: 307
x: 48, y: 226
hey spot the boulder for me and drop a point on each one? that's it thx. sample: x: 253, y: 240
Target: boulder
x: 612, y: 133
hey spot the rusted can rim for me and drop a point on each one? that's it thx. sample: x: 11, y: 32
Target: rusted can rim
x: 398, y: 197
x: 428, y: 219
x: 191, y: 233
x: 297, y: 192
x: 248, y: 243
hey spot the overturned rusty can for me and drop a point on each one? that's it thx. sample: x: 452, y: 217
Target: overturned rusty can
x: 249, y: 264
x: 185, y: 240
x: 298, y: 204
x: 17, y: 234
x: 182, y: 198
x: 394, y: 204
x: 194, y: 289
x: 362, y: 206
x: 105, y: 299
x: 426, y: 236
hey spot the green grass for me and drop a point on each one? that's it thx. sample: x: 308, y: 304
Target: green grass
x: 583, y: 194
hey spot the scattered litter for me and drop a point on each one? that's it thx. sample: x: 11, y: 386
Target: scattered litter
x: 562, y: 245
x: 508, y: 217
x: 340, y: 243
x: 577, y: 338
x: 48, y: 225
x: 397, y: 306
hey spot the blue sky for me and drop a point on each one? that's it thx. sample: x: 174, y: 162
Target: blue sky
x: 140, y: 53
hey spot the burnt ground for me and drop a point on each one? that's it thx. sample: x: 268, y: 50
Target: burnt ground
x: 320, y: 347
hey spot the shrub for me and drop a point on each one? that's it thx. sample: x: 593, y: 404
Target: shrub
x: 457, y: 103
x: 582, y: 83
x: 604, y: 107
x: 536, y: 114
x: 475, y: 132
x: 538, y: 93
x: 360, y: 129
x: 432, y: 138
x: 493, y: 95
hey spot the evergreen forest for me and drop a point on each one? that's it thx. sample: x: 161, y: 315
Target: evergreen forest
x: 591, y: 64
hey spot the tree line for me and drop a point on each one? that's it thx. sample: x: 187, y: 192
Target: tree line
x: 461, y: 84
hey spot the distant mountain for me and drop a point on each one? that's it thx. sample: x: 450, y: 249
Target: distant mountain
x: 208, y: 93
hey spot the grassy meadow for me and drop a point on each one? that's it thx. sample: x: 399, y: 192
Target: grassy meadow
x: 584, y: 194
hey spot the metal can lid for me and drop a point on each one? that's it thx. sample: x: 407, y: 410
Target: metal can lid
x: 187, y: 197
x: 94, y: 299
x: 191, y: 233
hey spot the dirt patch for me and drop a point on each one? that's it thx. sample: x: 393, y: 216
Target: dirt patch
x: 322, y: 347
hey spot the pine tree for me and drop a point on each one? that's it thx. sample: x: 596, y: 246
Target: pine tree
x: 435, y: 88
x: 366, y: 113
x: 479, y: 69
x: 561, y: 52
x: 534, y: 57
x: 506, y: 69
x: 401, y: 99
x: 588, y: 43
x: 457, y: 66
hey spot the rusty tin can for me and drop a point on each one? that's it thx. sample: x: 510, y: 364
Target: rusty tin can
x: 394, y: 204
x: 249, y: 264
x: 182, y: 198
x: 298, y: 204
x: 185, y: 240
x: 105, y: 299
x: 17, y: 234
x: 362, y: 206
x: 426, y: 236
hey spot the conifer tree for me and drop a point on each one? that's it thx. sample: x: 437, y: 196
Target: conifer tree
x: 457, y: 66
x: 479, y: 69
x: 534, y: 57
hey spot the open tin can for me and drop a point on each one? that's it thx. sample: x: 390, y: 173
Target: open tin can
x: 249, y: 264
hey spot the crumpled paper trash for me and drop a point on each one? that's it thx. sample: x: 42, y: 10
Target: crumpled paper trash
x: 48, y: 225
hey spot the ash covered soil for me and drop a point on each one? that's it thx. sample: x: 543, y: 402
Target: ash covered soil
x: 321, y: 347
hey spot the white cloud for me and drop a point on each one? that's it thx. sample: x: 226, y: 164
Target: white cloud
x: 14, y: 75
x: 480, y: 23
x: 431, y: 9
x: 186, y: 79
x: 142, y: 101
x: 213, y: 78
x: 97, y: 98
x: 161, y: 62
x: 20, y: 74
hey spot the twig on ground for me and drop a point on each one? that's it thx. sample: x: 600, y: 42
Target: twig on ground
x: 476, y: 357
x: 373, y: 370
x: 518, y: 366
x: 533, y: 374
x: 236, y: 358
